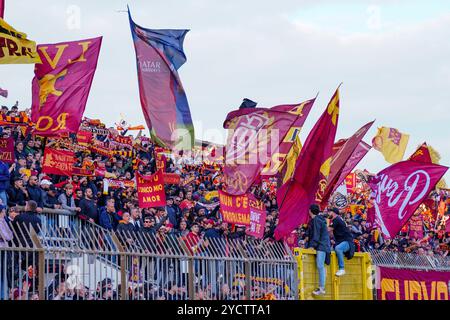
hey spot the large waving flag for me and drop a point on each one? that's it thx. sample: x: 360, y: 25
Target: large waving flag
x: 291, y: 160
x: 278, y: 160
x: 312, y: 170
x: 398, y: 192
x: 15, y: 48
x: 255, y: 137
x: 391, y: 143
x: 422, y: 154
x: 159, y: 54
x: 61, y: 85
x: 341, y: 158
x: 427, y: 154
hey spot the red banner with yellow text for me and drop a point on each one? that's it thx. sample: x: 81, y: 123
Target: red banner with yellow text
x: 401, y: 284
x: 235, y: 209
x: 151, y: 190
x: 58, y: 162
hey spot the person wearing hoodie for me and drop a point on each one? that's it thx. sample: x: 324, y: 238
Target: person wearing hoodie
x: 319, y: 239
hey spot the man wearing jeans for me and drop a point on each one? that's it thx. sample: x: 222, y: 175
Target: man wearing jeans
x: 343, y: 240
x: 319, y: 239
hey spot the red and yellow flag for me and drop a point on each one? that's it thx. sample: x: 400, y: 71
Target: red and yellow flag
x: 61, y: 85
x: 391, y: 143
x: 311, y: 172
x: 2, y: 8
x: 15, y: 48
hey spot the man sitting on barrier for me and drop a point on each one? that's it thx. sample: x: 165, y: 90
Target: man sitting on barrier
x: 319, y: 240
x: 343, y: 240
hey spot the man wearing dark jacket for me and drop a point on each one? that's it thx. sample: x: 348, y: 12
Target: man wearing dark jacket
x: 89, y: 206
x: 4, y: 182
x: 174, y: 212
x: 211, y: 231
x: 108, y: 218
x: 50, y: 198
x: 34, y: 192
x: 24, y: 221
x: 343, y: 238
x: 319, y: 239
x: 150, y: 225
x: 17, y: 195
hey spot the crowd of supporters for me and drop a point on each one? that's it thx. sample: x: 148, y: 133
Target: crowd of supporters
x: 192, y: 209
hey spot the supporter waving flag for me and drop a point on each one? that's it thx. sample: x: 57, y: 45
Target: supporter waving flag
x: 159, y: 55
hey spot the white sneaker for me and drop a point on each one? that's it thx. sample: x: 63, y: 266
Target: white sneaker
x: 340, y: 273
x: 319, y: 292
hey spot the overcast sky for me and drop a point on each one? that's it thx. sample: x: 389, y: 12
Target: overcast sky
x: 393, y: 57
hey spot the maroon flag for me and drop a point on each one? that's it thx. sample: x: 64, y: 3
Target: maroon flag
x: 278, y: 159
x: 255, y: 137
x: 311, y: 172
x: 2, y: 8
x: 422, y: 154
x: 341, y: 158
x: 257, y: 217
x: 399, y: 190
x: 3, y: 93
x: 61, y: 85
x: 360, y: 152
x: 7, y: 154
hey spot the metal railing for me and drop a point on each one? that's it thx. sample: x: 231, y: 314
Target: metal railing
x: 57, y: 218
x: 59, y: 262
x: 402, y: 260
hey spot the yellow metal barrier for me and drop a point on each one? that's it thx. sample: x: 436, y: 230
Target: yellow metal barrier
x: 356, y: 284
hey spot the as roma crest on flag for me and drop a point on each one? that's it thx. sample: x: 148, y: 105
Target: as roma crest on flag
x: 61, y: 85
x: 59, y: 162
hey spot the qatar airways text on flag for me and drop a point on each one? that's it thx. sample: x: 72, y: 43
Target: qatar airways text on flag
x: 399, y: 190
x: 159, y: 55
